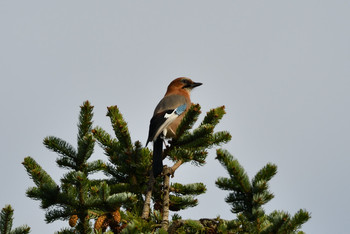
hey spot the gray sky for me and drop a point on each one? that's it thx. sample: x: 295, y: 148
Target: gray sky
x: 281, y: 68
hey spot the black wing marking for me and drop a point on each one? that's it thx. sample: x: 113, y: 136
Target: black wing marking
x: 156, y: 122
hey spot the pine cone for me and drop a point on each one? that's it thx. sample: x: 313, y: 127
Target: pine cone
x: 100, y: 221
x: 73, y: 220
x: 116, y: 216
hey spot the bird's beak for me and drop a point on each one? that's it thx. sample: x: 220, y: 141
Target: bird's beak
x: 195, y: 84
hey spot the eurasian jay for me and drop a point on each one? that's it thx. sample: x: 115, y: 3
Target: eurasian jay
x: 167, y: 116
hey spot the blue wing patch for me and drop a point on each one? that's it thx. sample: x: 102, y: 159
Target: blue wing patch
x: 180, y: 109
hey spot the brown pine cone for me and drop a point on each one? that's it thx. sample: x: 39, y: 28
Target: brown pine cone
x: 73, y: 220
x: 100, y: 221
x: 116, y: 216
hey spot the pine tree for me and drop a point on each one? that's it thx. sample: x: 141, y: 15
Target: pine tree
x: 130, y: 164
x: 78, y: 198
x: 121, y: 201
x: 247, y: 198
x: 6, y: 219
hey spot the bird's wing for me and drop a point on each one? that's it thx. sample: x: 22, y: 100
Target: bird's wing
x: 161, y: 120
x: 170, y: 102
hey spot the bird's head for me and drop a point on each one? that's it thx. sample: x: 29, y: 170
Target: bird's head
x: 183, y: 83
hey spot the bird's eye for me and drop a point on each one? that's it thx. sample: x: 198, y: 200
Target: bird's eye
x: 185, y: 81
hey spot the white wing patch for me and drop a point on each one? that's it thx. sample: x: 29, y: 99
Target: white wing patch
x: 169, y: 119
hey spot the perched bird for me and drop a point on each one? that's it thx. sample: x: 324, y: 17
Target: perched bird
x: 167, y: 116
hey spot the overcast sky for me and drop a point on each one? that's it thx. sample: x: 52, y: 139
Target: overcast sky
x: 281, y: 68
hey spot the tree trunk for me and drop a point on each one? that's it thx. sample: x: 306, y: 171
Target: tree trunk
x: 166, y: 202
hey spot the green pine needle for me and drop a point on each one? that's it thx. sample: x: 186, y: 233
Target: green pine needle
x: 199, y: 138
x: 182, y: 202
x: 192, y: 226
x: 39, y: 176
x: 265, y: 174
x: 214, y: 116
x: 57, y: 214
x: 85, y: 120
x: 219, y: 138
x: 189, y: 120
x: 21, y: 230
x: 85, y: 149
x: 120, y: 127
x: 66, y: 231
x: 106, y: 141
x: 226, y: 184
x: 188, y: 189
x: 301, y: 217
x: 66, y: 162
x: 236, y: 171
x: 117, y: 200
x: 60, y: 146
x: 119, y: 187
x: 262, y: 198
x: 6, y: 219
x: 194, y: 156
x: 95, y: 166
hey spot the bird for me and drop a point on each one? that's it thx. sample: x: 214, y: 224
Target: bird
x: 167, y: 116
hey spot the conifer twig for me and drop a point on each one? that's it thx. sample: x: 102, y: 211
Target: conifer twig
x: 147, y: 204
x: 176, y: 166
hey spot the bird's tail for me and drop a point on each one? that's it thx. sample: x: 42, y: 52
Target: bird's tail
x: 157, y: 156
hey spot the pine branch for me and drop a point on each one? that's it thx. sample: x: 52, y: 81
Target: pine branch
x: 188, y: 189
x: 86, y: 141
x: 115, y: 173
x: 214, y: 116
x: 85, y: 150
x: 236, y: 171
x: 47, y: 194
x: 301, y: 217
x: 58, y: 214
x: 197, y: 138
x: 118, y: 187
x: 226, y: 184
x: 73, y: 178
x: 292, y: 224
x: 247, y: 199
x: 189, y: 120
x: 66, y: 231
x: 95, y: 166
x: 85, y: 120
x: 104, y: 192
x: 261, y: 198
x: 182, y: 202
x: 110, y: 145
x: 196, y: 156
x: 39, y: 176
x: 117, y: 200
x: 265, y: 174
x: 68, y: 163
x: 21, y: 230
x: 219, y: 138
x: 261, y: 195
x: 6, y: 219
x: 120, y: 127
x: 60, y: 146
x: 240, y: 202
